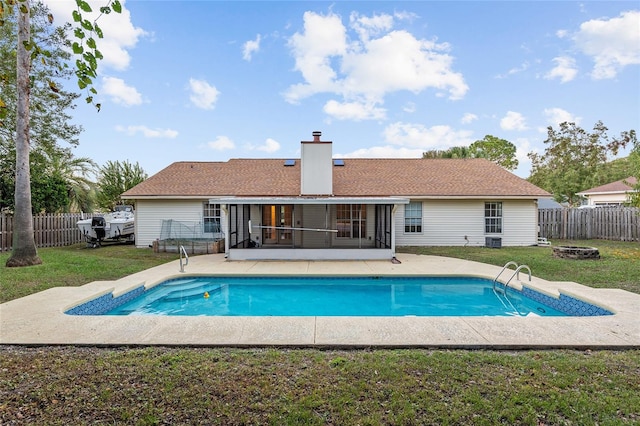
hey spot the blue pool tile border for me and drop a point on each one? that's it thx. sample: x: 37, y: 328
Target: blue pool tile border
x: 565, y: 304
x: 103, y: 304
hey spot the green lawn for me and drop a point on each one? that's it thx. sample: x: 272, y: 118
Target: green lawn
x: 233, y: 386
x: 618, y: 266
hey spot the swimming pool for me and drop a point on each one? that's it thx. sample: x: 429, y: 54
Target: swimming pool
x: 333, y: 296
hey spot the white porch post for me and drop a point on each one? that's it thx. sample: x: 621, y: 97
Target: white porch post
x: 225, y: 210
x: 393, y: 230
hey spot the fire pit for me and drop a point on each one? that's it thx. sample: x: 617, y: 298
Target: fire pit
x: 573, y: 252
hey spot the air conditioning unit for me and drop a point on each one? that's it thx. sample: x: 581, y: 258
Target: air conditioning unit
x: 493, y: 242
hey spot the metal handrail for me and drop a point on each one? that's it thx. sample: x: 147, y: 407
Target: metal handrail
x: 503, y: 269
x: 517, y: 272
x: 506, y: 285
x: 186, y: 256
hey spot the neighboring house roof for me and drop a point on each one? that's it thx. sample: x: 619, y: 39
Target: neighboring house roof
x: 548, y: 203
x: 618, y: 186
x: 436, y: 178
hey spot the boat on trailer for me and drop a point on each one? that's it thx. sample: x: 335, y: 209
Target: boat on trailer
x: 116, y: 226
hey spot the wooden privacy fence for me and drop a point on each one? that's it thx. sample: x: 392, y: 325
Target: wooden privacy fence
x: 50, y: 230
x: 603, y: 223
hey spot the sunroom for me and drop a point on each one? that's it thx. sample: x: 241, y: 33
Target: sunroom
x: 304, y: 228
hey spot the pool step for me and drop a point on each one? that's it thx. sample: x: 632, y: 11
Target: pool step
x: 191, y: 293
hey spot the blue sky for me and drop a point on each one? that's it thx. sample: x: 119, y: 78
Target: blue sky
x: 214, y: 80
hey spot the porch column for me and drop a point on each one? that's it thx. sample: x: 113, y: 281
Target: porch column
x: 225, y: 210
x: 393, y: 230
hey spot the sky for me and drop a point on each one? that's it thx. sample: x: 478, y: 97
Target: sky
x: 215, y: 80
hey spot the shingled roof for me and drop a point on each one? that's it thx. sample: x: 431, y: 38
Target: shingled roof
x: 622, y: 185
x: 374, y: 177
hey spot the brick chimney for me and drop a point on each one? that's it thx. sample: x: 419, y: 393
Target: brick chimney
x: 316, y: 166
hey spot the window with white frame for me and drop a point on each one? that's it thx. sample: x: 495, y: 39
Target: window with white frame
x: 413, y: 217
x: 211, y: 217
x: 351, y: 220
x: 493, y: 217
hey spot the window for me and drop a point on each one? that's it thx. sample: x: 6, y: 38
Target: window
x: 413, y: 217
x: 211, y: 218
x: 493, y: 218
x: 351, y: 220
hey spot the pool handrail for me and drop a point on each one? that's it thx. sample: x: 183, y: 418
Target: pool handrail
x: 506, y: 265
x: 186, y: 256
x: 517, y: 272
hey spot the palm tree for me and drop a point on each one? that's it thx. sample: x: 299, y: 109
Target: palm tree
x: 24, y: 252
x: 75, y: 172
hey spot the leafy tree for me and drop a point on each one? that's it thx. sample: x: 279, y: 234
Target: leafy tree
x: 500, y: 151
x: 49, y: 190
x: 574, y: 160
x: 116, y: 178
x: 634, y: 159
x: 24, y: 250
x: 453, y: 152
x: 49, y: 123
x: 617, y: 169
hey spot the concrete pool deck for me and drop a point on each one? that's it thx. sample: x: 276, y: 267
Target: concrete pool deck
x: 39, y: 319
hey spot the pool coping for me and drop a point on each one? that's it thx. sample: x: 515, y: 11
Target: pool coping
x: 39, y: 319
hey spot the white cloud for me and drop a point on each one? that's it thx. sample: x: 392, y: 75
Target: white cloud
x: 270, y: 145
x: 562, y: 33
x: 355, y: 111
x: 387, y: 151
x: 120, y: 34
x: 612, y: 43
x: 513, y: 121
x: 413, y: 135
x: 203, y: 95
x: 565, y: 69
x: 409, y: 107
x: 468, y: 118
x: 555, y: 116
x: 367, y: 27
x: 147, y: 132
x: 523, y: 147
x: 523, y: 67
x: 120, y: 93
x: 250, y: 47
x: 221, y: 143
x: 367, y: 63
x: 411, y: 140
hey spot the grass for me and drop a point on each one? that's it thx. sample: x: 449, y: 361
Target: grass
x: 227, y: 386
x: 76, y: 265
x: 618, y: 266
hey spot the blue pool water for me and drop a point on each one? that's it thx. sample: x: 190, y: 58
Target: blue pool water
x: 332, y: 296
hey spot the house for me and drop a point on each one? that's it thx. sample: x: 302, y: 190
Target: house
x: 611, y: 194
x: 318, y: 207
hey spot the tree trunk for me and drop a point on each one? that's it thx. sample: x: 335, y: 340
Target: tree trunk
x: 24, y: 251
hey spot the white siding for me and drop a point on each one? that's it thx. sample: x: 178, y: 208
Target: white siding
x: 151, y: 213
x: 520, y: 223
x: 447, y: 222
x: 594, y: 199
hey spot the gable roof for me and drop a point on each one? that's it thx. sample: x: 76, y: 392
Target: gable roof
x: 374, y: 177
x: 618, y: 186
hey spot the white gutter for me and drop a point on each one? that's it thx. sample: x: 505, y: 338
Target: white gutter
x: 309, y: 200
